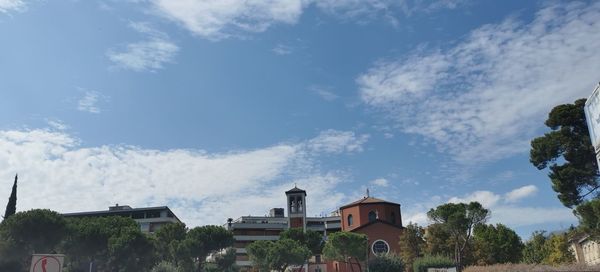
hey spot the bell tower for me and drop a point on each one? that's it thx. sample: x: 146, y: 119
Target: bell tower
x: 296, y: 207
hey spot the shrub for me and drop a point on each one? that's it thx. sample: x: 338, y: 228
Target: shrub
x: 522, y: 267
x: 166, y: 267
x: 386, y: 263
x: 421, y: 264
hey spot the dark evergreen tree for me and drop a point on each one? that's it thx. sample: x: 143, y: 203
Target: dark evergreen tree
x: 11, y: 207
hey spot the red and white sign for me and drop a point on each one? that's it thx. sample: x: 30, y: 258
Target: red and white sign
x: 47, y: 263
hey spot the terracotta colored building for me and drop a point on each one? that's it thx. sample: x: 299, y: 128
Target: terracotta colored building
x: 380, y: 220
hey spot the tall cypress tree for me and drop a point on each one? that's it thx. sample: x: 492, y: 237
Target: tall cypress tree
x: 11, y: 207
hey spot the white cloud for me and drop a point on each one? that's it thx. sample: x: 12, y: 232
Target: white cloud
x: 335, y: 141
x: 381, y: 182
x: 486, y: 198
x: 147, y: 55
x: 520, y: 193
x: 324, y: 92
x: 220, y: 19
x: 282, y: 49
x: 488, y: 95
x: 502, y: 208
x: 57, y: 124
x: 7, y: 6
x: 58, y: 173
x: 89, y: 102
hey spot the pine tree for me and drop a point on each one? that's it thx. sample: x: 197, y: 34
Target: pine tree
x: 11, y: 207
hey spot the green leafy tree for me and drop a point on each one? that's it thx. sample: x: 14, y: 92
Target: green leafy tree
x: 311, y: 239
x: 557, y: 247
x: 535, y: 250
x: 166, y: 267
x: 386, y: 263
x: 439, y: 241
x: 412, y: 244
x: 459, y: 220
x: 286, y: 252
x: 11, y: 206
x: 111, y: 243
x: 258, y: 252
x: 169, y: 239
x: 496, y: 244
x: 277, y: 255
x: 33, y: 231
x: 202, y: 241
x: 344, y: 246
x: 589, y: 217
x: 568, y: 153
x: 223, y: 262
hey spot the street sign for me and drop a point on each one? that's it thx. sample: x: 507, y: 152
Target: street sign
x: 47, y: 263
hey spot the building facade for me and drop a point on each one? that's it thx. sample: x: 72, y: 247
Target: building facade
x: 586, y: 250
x: 150, y: 219
x: 380, y: 220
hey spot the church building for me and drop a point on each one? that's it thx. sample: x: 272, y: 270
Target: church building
x: 380, y: 220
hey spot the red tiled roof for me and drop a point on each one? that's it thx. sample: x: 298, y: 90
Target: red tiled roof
x: 368, y: 200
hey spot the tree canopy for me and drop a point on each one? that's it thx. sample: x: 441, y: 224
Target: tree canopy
x: 412, y: 243
x: 277, y: 255
x: 568, y: 153
x: 11, y: 206
x: 459, y: 219
x: 496, y: 244
x: 343, y: 246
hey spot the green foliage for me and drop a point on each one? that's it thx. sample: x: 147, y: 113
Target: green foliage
x: 386, y: 263
x: 589, y: 217
x: 11, y: 206
x: 341, y: 246
x: 459, y: 219
x: 278, y: 255
x: 535, y: 251
x: 223, y: 262
x: 166, y: 267
x: 202, y: 241
x: 496, y: 244
x: 168, y: 240
x: 311, y: 239
x: 421, y: 264
x: 258, y: 252
x: 112, y: 242
x: 33, y: 231
x: 557, y: 247
x: 412, y: 243
x: 568, y: 143
x: 439, y: 241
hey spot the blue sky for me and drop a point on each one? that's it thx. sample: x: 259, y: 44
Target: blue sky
x: 215, y: 108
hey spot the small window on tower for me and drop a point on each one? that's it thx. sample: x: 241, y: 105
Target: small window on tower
x: 393, y: 218
x: 350, y: 221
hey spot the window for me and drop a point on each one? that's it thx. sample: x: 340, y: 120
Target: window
x: 372, y: 216
x: 350, y: 221
x: 393, y: 218
x: 380, y: 247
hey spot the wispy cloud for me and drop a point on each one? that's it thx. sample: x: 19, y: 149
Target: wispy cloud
x: 147, y: 55
x: 464, y: 98
x: 503, y: 208
x: 324, y: 92
x: 89, y: 102
x: 7, y: 6
x: 282, y: 49
x: 381, y: 182
x: 217, y: 20
x: 336, y: 141
x: 520, y: 193
x: 57, y: 124
x: 58, y: 173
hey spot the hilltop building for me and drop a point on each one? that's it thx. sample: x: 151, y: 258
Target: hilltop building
x: 585, y: 249
x: 150, y: 219
x: 380, y: 220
